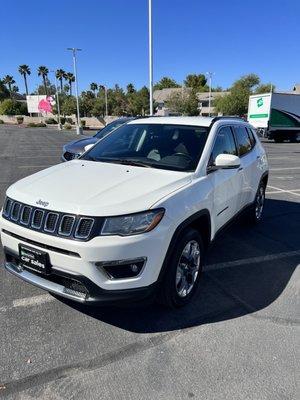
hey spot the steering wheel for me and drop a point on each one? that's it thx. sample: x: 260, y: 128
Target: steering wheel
x: 184, y: 155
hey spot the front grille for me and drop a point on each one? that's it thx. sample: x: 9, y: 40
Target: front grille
x: 37, y: 219
x: 66, y: 225
x: 69, y: 156
x: 50, y: 222
x: 84, y: 228
x: 25, y: 215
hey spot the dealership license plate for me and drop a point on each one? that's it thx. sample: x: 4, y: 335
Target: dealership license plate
x: 34, y: 259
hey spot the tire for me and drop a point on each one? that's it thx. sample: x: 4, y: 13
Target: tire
x: 278, y: 140
x: 255, y: 213
x: 179, y: 284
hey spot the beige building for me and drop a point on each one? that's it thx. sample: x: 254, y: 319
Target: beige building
x: 161, y: 97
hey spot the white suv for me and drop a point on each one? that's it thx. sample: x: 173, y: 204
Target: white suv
x: 134, y: 215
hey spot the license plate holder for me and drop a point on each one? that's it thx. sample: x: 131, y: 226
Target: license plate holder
x: 34, y: 259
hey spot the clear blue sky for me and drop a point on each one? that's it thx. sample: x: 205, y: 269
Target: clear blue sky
x: 230, y: 38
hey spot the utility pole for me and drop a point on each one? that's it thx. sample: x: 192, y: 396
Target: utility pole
x: 74, y: 50
x: 209, y: 74
x: 150, y: 57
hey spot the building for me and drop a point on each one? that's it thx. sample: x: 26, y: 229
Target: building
x: 161, y: 97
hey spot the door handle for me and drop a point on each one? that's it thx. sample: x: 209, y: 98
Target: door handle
x: 240, y: 169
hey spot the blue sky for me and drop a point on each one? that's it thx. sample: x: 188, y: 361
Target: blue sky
x: 230, y: 38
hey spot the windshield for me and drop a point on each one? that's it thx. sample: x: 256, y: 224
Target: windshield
x: 173, y: 147
x: 110, y: 127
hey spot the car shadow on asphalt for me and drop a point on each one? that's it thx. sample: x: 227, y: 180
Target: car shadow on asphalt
x: 226, y: 293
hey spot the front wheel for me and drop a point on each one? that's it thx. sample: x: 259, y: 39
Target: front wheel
x: 183, y: 270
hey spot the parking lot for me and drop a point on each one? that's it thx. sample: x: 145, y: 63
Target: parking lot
x: 239, y: 339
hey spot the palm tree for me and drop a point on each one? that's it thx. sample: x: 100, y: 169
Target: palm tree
x: 60, y: 75
x: 24, y: 71
x: 70, y: 78
x: 15, y: 89
x: 94, y: 87
x: 9, y: 81
x: 43, y: 72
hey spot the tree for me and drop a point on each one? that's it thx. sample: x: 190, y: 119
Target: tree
x: 4, y: 93
x: 68, y: 106
x: 166, y: 83
x: 12, y: 107
x: 265, y: 88
x: 98, y: 109
x: 184, y: 103
x: 51, y: 89
x: 87, y: 100
x: 70, y: 78
x: 15, y: 89
x: 60, y: 75
x: 130, y: 88
x: 43, y: 72
x: 236, y: 103
x: 196, y: 82
x: 94, y: 87
x: 9, y: 81
x: 24, y: 70
x: 66, y: 88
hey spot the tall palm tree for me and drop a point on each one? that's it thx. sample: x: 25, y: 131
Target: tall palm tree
x: 24, y: 70
x: 60, y: 75
x: 94, y: 87
x: 70, y: 78
x: 9, y: 81
x: 43, y: 72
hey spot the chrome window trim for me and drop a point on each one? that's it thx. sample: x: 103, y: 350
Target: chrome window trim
x: 77, y: 227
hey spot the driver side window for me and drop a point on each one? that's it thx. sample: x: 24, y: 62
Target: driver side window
x: 224, y: 144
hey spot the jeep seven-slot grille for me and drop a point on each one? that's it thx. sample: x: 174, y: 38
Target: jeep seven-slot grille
x: 51, y: 222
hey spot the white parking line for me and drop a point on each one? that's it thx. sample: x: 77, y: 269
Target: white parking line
x: 279, y: 190
x: 252, y: 260
x: 29, y: 302
x: 285, y: 168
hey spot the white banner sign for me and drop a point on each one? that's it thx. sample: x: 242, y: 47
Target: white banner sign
x: 40, y: 104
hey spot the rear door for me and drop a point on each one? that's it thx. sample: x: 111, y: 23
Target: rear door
x: 226, y: 182
x: 249, y: 158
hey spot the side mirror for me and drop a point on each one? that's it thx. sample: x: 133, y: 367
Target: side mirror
x: 87, y: 147
x: 224, y: 161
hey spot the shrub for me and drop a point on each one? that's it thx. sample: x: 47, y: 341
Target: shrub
x: 62, y: 120
x: 50, y: 121
x: 67, y: 126
x: 83, y: 123
x: 31, y: 125
x: 70, y: 121
x: 36, y: 125
x: 12, y: 107
x: 41, y: 125
x: 20, y: 119
x: 1, y: 121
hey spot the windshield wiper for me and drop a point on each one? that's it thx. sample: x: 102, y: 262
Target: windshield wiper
x: 124, y: 161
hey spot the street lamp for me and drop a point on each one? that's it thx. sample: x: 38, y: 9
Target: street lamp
x: 74, y: 50
x: 150, y: 57
x: 57, y: 100
x: 209, y: 74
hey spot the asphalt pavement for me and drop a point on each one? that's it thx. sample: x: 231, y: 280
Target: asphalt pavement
x: 239, y: 339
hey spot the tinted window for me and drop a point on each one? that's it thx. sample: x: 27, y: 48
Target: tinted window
x: 251, y: 137
x: 224, y: 143
x: 174, y: 147
x: 243, y: 140
x: 110, y: 127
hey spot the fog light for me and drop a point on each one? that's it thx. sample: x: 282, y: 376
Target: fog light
x: 121, y: 269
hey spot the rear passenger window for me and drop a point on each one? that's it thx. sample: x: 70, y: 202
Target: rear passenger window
x: 224, y: 143
x: 243, y: 141
x: 251, y: 137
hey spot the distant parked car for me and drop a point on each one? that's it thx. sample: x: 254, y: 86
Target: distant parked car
x: 75, y: 148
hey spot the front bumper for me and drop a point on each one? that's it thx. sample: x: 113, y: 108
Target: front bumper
x: 71, y: 258
x: 83, y: 290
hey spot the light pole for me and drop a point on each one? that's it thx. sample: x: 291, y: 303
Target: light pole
x: 209, y: 74
x: 57, y: 101
x: 150, y: 57
x: 106, y: 104
x: 74, y: 50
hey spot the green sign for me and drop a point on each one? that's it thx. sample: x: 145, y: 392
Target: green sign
x: 260, y: 102
x: 258, y: 115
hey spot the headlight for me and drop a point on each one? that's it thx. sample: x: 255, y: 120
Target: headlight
x: 132, y: 224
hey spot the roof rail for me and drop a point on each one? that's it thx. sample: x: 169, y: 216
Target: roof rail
x: 215, y: 119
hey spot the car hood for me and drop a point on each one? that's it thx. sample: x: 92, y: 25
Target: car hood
x: 97, y: 189
x: 77, y: 146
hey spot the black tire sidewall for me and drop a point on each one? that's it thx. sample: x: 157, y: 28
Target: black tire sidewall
x: 169, y: 295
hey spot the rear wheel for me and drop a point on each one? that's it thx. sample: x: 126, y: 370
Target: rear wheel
x: 256, y: 211
x: 183, y: 270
